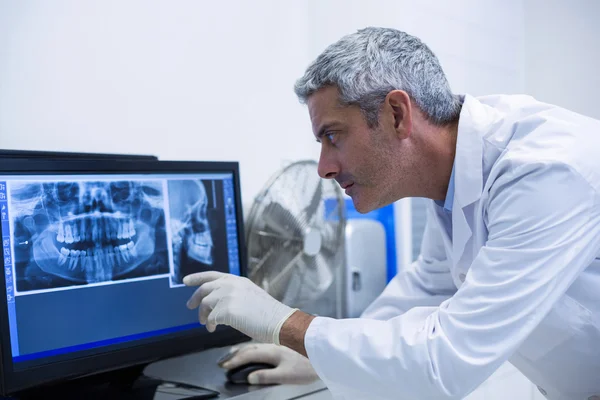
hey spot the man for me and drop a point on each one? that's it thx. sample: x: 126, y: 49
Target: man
x: 509, y: 266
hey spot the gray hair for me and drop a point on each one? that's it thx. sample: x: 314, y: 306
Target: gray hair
x: 366, y: 65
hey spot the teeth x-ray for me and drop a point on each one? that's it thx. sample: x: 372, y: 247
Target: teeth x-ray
x: 71, y: 233
x: 192, y: 203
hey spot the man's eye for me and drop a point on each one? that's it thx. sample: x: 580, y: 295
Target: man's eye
x: 331, y: 136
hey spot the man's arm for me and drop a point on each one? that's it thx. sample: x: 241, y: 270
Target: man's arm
x: 294, y: 330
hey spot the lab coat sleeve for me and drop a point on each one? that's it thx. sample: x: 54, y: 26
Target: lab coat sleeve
x: 426, y: 282
x: 543, y: 229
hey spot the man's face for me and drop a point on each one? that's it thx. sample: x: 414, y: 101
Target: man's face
x: 358, y: 157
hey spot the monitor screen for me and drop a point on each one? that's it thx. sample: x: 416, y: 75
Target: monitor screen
x: 94, y: 262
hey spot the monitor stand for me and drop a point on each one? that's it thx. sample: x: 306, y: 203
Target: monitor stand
x: 130, y: 384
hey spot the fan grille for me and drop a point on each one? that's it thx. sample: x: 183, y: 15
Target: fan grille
x: 295, y: 233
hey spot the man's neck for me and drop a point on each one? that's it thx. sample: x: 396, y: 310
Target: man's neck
x: 438, y: 159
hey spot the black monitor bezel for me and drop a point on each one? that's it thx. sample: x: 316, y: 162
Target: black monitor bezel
x: 53, y: 155
x: 198, y: 339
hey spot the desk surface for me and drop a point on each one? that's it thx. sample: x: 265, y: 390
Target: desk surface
x: 201, y: 369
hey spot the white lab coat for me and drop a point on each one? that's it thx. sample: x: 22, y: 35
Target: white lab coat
x: 515, y: 276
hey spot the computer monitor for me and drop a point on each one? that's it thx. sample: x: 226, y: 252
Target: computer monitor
x: 94, y: 252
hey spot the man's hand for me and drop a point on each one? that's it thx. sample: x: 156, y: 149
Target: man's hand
x: 290, y: 367
x: 225, y: 299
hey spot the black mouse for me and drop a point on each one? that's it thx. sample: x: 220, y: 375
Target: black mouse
x: 240, y: 374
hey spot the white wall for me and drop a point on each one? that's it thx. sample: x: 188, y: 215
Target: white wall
x: 182, y: 80
x: 479, y: 43
x: 562, y: 57
x: 212, y: 80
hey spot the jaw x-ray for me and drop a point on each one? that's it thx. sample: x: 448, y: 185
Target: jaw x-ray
x: 70, y: 233
x: 197, y: 241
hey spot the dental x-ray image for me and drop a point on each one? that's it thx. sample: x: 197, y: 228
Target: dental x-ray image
x: 198, y: 235
x: 73, y: 233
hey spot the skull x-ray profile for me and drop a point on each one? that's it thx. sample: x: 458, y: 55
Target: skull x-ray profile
x: 72, y: 233
x: 197, y: 220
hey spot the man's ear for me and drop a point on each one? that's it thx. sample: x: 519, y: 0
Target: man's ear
x: 400, y: 105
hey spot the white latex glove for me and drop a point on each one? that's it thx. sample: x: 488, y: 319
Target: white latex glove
x: 225, y: 299
x: 290, y: 367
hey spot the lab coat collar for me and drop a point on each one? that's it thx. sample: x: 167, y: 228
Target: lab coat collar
x: 475, y: 120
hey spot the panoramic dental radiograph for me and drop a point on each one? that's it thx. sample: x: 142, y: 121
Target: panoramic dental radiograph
x: 82, y: 232
x: 190, y: 228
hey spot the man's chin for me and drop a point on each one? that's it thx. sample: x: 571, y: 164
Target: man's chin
x: 362, y: 206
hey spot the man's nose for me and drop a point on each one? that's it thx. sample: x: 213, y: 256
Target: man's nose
x: 328, y: 167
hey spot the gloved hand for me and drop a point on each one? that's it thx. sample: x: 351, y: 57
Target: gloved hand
x: 290, y: 367
x: 225, y: 299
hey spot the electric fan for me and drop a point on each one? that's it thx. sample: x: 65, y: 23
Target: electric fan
x: 295, y: 235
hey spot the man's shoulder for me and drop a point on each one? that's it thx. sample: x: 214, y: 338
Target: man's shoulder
x: 530, y: 132
x: 515, y: 106
x: 522, y: 106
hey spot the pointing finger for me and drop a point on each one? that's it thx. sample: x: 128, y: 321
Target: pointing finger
x: 200, y: 278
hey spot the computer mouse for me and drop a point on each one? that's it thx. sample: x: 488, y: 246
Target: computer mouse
x: 240, y: 374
